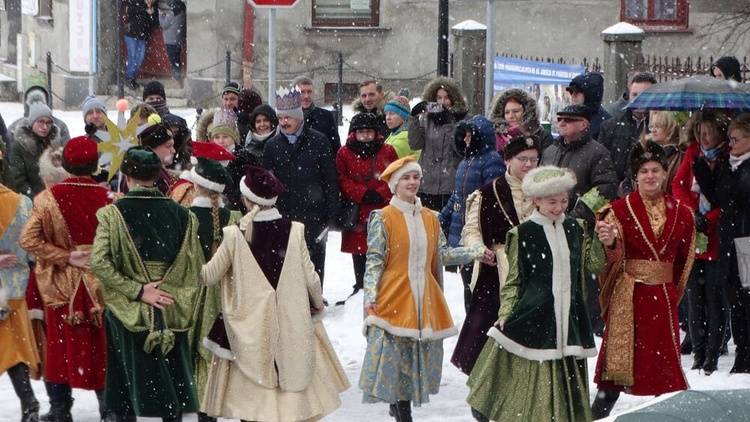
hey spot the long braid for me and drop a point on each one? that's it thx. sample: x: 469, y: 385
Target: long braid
x: 217, y: 224
x: 249, y: 218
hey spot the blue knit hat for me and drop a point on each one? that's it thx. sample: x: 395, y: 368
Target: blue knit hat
x: 400, y: 104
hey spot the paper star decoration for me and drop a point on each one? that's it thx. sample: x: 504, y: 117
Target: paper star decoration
x: 121, y: 140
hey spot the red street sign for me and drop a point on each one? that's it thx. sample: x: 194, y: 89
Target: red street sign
x: 273, y: 4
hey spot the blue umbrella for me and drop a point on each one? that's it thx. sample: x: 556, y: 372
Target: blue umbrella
x: 693, y: 405
x: 693, y: 93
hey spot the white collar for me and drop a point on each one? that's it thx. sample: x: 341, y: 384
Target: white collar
x: 538, y: 218
x: 735, y: 161
x: 406, y: 207
x: 186, y: 175
x: 205, y: 202
x: 267, y: 215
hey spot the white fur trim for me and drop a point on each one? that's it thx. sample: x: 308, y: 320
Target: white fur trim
x: 217, y: 350
x: 202, y: 181
x: 396, y: 175
x: 185, y: 175
x: 255, y: 199
x: 424, y: 334
x: 267, y: 215
x: 536, y: 354
x: 552, y: 186
x: 204, y: 202
x: 36, y: 314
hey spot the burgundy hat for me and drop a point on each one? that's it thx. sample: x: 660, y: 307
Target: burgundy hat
x: 260, y: 186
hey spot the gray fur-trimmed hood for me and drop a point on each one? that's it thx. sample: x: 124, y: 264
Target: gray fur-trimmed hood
x: 459, y: 108
x: 26, y: 139
x: 380, y: 108
x: 530, y: 121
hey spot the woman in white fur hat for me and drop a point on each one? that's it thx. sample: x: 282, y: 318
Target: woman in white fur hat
x: 533, y: 366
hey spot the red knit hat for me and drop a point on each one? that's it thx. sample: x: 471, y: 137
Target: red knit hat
x: 261, y: 186
x: 80, y: 151
x: 210, y: 150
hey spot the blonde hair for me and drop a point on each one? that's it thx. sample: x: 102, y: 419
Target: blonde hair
x: 666, y: 121
x: 50, y: 167
x: 146, y: 111
x: 741, y: 123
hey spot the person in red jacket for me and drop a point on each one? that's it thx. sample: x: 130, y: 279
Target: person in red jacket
x: 359, y: 164
x: 706, y: 315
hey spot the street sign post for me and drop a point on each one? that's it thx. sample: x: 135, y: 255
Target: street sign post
x: 272, y: 5
x: 275, y: 4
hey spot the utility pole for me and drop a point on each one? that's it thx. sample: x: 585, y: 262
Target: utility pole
x: 442, y: 53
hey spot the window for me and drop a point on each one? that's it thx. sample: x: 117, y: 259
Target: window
x: 345, y: 13
x: 656, y: 15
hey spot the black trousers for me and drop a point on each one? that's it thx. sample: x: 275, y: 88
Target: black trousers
x: 707, y: 320
x: 317, y: 251
x: 466, y: 272
x: 739, y: 305
x: 359, y: 262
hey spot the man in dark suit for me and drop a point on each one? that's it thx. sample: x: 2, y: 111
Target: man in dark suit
x: 317, y: 118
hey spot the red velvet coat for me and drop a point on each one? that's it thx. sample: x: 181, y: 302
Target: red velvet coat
x: 682, y: 190
x: 354, y: 171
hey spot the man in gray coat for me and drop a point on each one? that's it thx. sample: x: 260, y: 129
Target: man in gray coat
x: 595, y: 176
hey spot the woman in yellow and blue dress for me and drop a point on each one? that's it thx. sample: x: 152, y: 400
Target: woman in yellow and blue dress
x: 407, y: 316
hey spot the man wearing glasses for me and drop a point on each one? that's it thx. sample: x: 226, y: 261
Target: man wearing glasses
x: 595, y: 179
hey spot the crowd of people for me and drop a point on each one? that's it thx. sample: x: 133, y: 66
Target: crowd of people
x: 190, y: 278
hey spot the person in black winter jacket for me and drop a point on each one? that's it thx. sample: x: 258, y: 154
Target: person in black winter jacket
x: 588, y: 89
x: 727, y: 67
x: 143, y: 18
x: 318, y: 118
x: 301, y: 158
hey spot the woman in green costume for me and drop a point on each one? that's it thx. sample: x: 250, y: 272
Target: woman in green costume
x: 533, y: 366
x: 210, y: 179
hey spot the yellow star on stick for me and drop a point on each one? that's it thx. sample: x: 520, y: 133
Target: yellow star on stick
x: 120, y: 141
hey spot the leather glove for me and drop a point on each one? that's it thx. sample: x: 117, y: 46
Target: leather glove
x: 419, y: 108
x: 701, y: 222
x: 372, y: 197
x: 701, y: 171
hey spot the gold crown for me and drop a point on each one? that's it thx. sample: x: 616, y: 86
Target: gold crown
x: 288, y: 99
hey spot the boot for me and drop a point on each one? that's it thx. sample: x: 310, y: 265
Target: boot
x: 711, y: 364
x: 177, y: 418
x: 603, y: 403
x: 58, y: 412
x: 699, y: 358
x: 393, y: 411
x: 479, y: 416
x: 403, y: 407
x: 202, y: 417
x: 19, y: 377
x: 686, y: 346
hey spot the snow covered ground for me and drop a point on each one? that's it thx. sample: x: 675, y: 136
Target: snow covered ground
x: 344, y: 329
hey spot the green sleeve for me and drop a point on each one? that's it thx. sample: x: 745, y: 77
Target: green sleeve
x: 594, y: 256
x: 512, y: 287
x: 103, y: 255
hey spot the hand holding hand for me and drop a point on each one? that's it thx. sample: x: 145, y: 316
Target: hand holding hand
x: 8, y: 260
x: 501, y: 324
x: 489, y: 257
x: 79, y: 259
x: 370, y: 306
x: 155, y: 297
x: 606, y: 232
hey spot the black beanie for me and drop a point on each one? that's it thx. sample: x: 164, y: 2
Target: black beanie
x: 154, y: 88
x: 729, y: 66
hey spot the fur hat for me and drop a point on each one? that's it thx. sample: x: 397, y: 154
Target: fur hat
x: 51, y: 167
x: 261, y: 186
x: 640, y: 154
x: 37, y: 111
x: 80, y: 156
x: 141, y: 163
x: 529, y: 123
x: 210, y: 174
x: 520, y: 144
x: 154, y: 88
x: 400, y: 104
x: 547, y: 181
x: 225, y: 121
x: 458, y: 107
x: 288, y: 103
x: 364, y: 121
x: 155, y: 135
x: 397, y: 169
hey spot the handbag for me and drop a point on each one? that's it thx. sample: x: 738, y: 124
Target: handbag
x: 742, y: 245
x: 349, y: 213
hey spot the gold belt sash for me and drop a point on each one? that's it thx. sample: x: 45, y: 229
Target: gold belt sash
x: 618, y: 361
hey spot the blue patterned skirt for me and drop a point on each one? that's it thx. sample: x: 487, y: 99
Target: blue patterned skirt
x: 400, y: 368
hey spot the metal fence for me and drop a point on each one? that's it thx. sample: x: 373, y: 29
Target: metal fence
x: 666, y: 68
